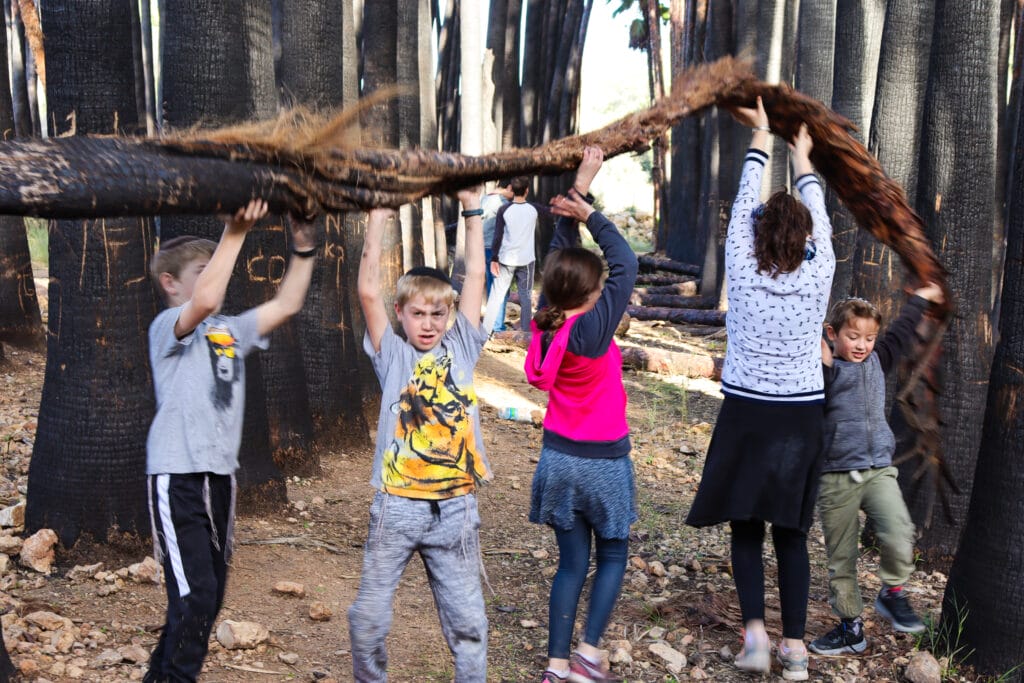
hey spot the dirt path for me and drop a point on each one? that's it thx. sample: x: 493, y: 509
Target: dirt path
x: 688, y: 601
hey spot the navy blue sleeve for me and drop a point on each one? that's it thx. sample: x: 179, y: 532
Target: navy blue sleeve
x: 593, y: 332
x: 900, y: 338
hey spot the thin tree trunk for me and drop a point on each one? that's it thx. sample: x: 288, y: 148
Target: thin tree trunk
x: 19, y: 79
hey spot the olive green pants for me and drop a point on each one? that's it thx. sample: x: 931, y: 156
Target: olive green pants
x: 840, y: 500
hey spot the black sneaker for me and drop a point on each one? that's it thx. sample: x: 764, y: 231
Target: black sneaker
x: 894, y: 606
x: 847, y: 638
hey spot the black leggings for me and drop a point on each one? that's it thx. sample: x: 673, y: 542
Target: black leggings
x: 794, y: 573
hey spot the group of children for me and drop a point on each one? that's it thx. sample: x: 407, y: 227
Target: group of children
x: 788, y: 400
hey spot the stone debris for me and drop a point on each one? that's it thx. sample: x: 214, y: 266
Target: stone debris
x: 37, y: 551
x: 84, y: 571
x: 923, y: 668
x: 318, y: 611
x: 10, y: 545
x: 13, y: 516
x: 147, y: 571
x: 241, y: 635
x: 290, y: 588
x: 289, y: 658
x: 675, y: 661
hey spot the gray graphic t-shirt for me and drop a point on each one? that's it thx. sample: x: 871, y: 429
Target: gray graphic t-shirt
x: 200, y: 392
x: 429, y: 444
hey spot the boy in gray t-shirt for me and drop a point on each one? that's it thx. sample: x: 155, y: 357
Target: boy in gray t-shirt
x: 197, y: 356
x: 429, y: 456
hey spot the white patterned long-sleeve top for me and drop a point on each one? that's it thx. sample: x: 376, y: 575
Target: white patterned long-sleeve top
x: 774, y: 324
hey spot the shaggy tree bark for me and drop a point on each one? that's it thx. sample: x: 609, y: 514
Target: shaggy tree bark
x: 87, y: 474
x: 314, y: 72
x: 985, y: 582
x: 956, y: 197
x: 20, y: 322
x: 218, y: 70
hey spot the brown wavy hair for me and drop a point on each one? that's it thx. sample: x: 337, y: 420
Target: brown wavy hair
x: 570, y: 276
x: 780, y: 234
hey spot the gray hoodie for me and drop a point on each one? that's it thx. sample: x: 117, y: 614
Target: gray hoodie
x: 857, y: 435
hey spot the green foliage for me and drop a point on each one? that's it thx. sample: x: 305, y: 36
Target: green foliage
x: 942, y: 639
x: 38, y: 241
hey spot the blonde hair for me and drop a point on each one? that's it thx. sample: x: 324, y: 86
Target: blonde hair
x: 431, y: 288
x: 175, y: 254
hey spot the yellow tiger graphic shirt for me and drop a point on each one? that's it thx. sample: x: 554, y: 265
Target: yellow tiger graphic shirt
x: 434, y: 454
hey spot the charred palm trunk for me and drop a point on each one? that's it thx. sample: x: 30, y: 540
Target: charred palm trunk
x: 87, y: 475
x: 984, y: 583
x: 956, y: 197
x: 314, y: 72
x: 218, y: 70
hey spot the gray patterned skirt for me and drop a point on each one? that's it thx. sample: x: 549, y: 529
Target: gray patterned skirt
x: 601, y: 490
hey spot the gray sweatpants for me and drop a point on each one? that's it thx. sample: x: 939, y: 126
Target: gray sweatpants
x: 446, y: 535
x: 502, y: 282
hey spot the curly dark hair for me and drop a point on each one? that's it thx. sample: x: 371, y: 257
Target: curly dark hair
x: 780, y: 234
x: 570, y: 276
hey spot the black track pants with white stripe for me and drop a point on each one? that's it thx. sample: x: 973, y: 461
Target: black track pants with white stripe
x: 193, y: 540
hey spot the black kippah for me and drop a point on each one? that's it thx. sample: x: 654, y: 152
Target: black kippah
x: 427, y: 271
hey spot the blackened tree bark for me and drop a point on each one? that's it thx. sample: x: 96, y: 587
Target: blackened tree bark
x: 314, y: 72
x: 895, y: 139
x: 20, y: 322
x: 956, y: 199
x: 858, y: 36
x: 218, y: 70
x: 985, y: 581
x: 815, y: 48
x: 87, y: 474
x: 18, y: 52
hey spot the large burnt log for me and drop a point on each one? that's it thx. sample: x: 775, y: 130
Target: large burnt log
x: 673, y: 301
x: 654, y: 262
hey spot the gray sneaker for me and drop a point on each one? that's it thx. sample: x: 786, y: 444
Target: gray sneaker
x: 794, y: 665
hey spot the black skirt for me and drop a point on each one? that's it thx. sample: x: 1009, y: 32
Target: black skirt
x: 764, y: 463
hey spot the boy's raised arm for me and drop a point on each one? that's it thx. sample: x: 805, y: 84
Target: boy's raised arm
x: 292, y: 291
x: 370, y: 298
x: 212, y: 283
x: 472, y: 296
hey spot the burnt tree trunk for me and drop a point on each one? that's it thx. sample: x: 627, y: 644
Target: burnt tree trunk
x: 985, y: 580
x: 217, y: 70
x: 314, y: 72
x: 956, y: 198
x: 87, y: 474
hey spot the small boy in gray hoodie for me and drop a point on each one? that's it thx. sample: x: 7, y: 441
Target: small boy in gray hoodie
x: 858, y: 471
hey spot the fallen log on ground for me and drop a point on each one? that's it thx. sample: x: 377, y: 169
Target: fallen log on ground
x: 653, y: 262
x: 672, y: 362
x: 677, y: 315
x: 673, y: 301
x: 663, y: 280
x: 686, y: 288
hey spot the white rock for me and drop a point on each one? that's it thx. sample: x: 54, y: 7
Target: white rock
x: 48, y: 621
x: 5, y: 563
x: 84, y: 571
x: 63, y: 640
x: 10, y: 545
x: 105, y: 659
x: 655, y: 633
x: 620, y: 655
x: 656, y: 568
x: 37, y: 550
x: 147, y: 571
x: 318, y: 611
x: 290, y: 588
x: 674, y: 660
x: 241, y: 635
x: 136, y: 654
x: 539, y: 554
x: 529, y: 623
x: 289, y: 658
x: 923, y: 668
x: 13, y: 516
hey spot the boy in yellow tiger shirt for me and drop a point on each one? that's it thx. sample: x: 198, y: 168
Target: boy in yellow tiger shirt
x: 429, y: 454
